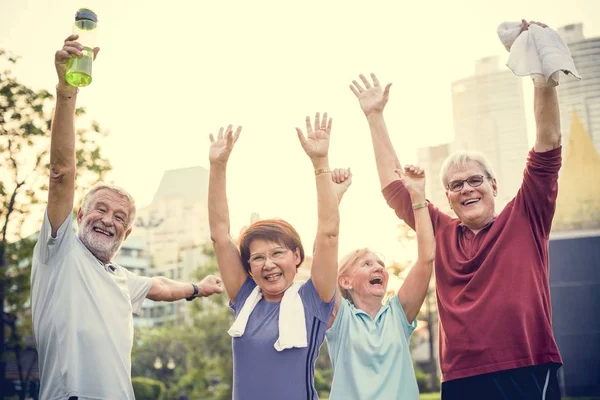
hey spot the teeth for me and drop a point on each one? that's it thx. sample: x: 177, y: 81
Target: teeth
x: 102, y: 231
x: 272, y: 277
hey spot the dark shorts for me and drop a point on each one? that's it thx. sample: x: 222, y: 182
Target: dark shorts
x: 539, y: 382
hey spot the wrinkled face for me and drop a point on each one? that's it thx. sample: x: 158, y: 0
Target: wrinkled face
x: 474, y: 206
x: 103, y: 226
x: 273, y: 267
x: 366, y: 278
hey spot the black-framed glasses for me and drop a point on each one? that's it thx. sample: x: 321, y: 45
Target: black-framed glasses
x: 259, y: 259
x: 473, y: 181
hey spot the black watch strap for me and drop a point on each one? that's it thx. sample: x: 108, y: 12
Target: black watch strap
x: 192, y: 297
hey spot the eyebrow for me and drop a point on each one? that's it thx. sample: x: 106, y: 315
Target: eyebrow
x: 118, y: 210
x: 274, y: 248
x: 377, y: 261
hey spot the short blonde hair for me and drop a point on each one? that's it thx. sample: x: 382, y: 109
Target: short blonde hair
x: 116, y: 189
x: 345, y: 264
x: 460, y: 159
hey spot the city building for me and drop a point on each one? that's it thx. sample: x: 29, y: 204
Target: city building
x: 432, y: 158
x: 489, y: 117
x: 177, y: 216
x: 168, y: 240
x: 582, y: 96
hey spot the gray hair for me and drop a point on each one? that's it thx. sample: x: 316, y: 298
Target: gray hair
x: 460, y: 160
x: 116, y: 189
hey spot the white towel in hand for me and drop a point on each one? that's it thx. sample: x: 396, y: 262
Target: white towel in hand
x: 537, y: 52
x: 292, y: 323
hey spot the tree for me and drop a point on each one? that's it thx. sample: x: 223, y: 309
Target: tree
x: 148, y: 389
x: 25, y: 120
x: 408, y: 239
x: 201, y: 352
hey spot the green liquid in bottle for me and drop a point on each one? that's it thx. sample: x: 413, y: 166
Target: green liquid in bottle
x: 79, y: 70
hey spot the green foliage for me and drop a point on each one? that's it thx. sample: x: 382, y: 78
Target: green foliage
x: 323, y: 371
x: 148, y: 389
x: 423, y: 380
x: 430, y: 396
x: 201, y: 351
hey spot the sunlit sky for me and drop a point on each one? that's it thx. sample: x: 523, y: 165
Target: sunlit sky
x: 170, y: 73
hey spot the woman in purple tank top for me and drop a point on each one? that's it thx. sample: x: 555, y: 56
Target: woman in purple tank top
x: 280, y: 322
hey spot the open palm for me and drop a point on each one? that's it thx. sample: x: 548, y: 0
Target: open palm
x: 371, y: 98
x: 316, y: 144
x: 220, y: 148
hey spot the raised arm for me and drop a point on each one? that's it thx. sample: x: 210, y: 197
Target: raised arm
x: 547, y: 119
x: 546, y: 111
x: 372, y: 100
x: 342, y: 179
x: 228, y: 255
x: 165, y: 289
x: 316, y: 146
x: 414, y: 289
x: 62, y: 139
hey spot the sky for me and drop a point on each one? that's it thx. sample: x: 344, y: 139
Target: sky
x: 170, y: 73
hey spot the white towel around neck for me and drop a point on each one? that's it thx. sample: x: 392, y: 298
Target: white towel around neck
x: 537, y: 52
x: 292, y: 322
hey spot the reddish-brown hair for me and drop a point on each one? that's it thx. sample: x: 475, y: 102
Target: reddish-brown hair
x: 272, y: 230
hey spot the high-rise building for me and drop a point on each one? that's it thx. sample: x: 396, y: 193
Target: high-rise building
x: 582, y: 96
x: 174, y: 227
x: 432, y: 158
x: 489, y: 117
x: 177, y: 216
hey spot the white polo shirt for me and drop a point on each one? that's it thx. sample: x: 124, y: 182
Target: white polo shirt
x: 82, y: 318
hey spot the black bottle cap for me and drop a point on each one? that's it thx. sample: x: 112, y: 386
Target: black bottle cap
x: 85, y: 14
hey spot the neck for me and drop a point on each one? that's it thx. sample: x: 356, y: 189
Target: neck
x: 478, y: 225
x: 273, y: 298
x: 368, y: 304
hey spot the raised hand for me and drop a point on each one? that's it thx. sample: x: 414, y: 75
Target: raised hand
x: 71, y: 48
x: 316, y: 145
x: 210, y: 285
x: 372, y: 99
x: 342, y: 178
x: 413, y: 178
x: 220, y: 148
x: 525, y: 25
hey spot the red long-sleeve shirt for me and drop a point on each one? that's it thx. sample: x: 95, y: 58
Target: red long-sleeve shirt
x: 493, y: 292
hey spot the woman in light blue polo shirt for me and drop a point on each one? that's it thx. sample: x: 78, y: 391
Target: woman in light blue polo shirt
x: 368, y: 340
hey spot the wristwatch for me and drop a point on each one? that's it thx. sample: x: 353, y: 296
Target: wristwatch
x: 196, y: 293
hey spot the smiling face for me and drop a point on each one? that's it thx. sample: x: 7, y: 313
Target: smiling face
x: 273, y: 267
x: 365, y: 278
x: 104, y: 223
x: 474, y: 206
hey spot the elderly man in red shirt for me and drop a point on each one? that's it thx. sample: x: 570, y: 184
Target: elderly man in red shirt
x: 496, y: 339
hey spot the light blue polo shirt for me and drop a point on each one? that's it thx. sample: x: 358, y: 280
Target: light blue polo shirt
x: 370, y: 357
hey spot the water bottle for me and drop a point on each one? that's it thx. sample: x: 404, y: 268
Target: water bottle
x: 79, y: 69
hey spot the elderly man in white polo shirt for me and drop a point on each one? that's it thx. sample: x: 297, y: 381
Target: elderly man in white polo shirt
x: 82, y: 303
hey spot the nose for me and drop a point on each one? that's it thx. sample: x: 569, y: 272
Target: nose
x: 107, y: 219
x: 269, y: 264
x: 466, y: 188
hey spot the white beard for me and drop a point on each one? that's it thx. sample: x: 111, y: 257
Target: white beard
x: 103, y: 250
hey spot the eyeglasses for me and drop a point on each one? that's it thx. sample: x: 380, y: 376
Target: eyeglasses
x: 473, y: 181
x: 259, y: 259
